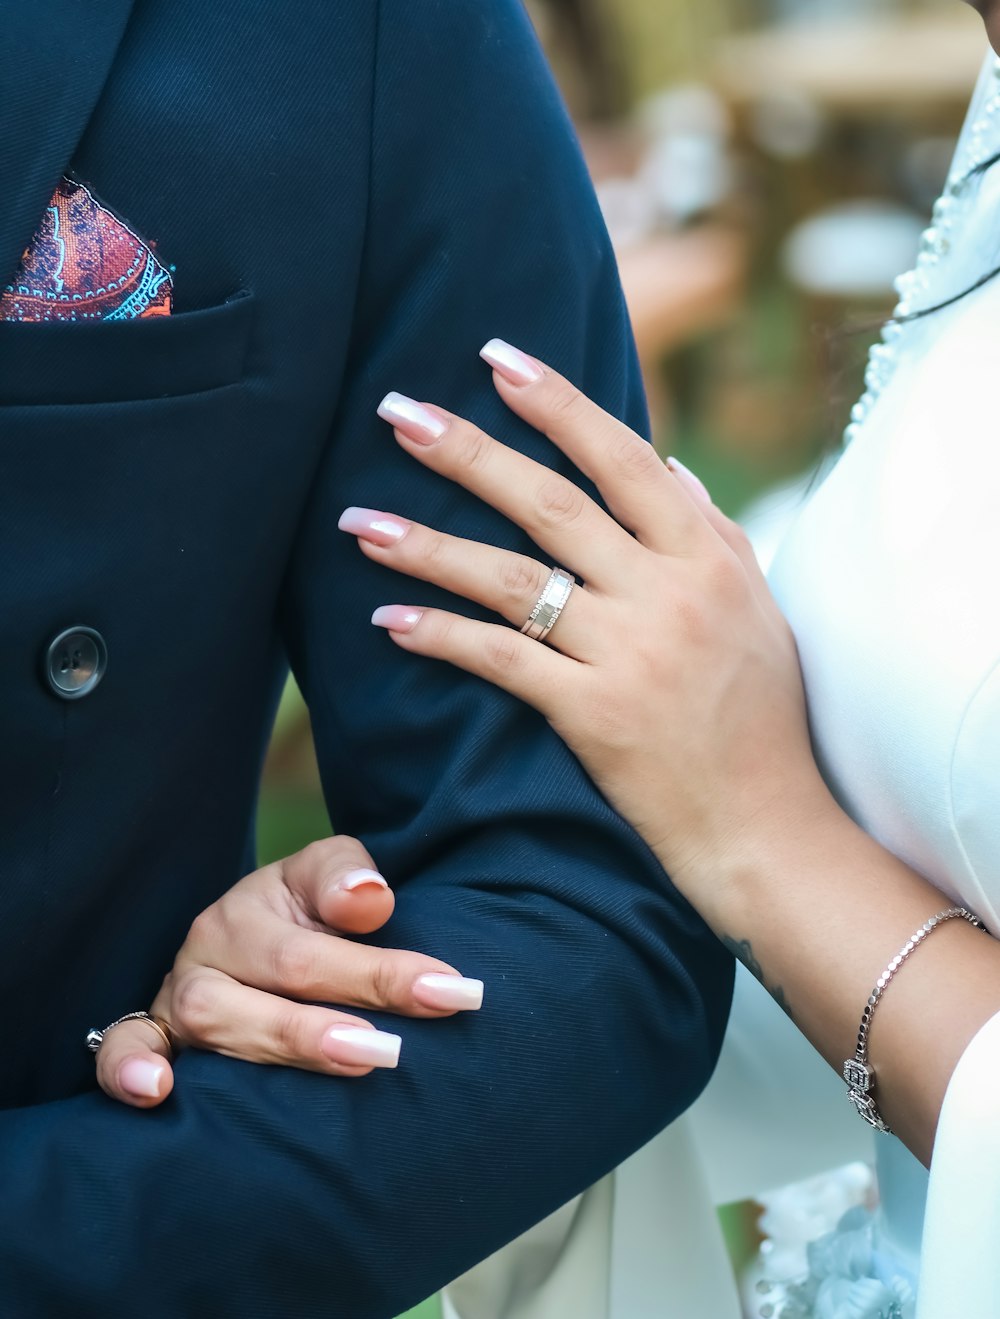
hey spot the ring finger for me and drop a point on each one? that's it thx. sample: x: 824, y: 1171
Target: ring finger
x: 510, y: 584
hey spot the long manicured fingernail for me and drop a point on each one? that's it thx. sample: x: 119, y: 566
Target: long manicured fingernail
x: 397, y: 618
x: 513, y: 365
x: 355, y: 879
x: 369, y: 524
x: 358, y: 1047
x: 693, y: 483
x: 141, y: 1078
x: 412, y: 418
x: 448, y: 993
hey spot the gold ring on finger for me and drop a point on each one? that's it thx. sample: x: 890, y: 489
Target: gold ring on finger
x: 549, y: 605
x: 95, y: 1038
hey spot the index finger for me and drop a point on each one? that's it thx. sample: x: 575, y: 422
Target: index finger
x: 636, y: 485
x: 556, y: 514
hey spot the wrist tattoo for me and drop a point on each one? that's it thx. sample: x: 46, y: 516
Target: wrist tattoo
x: 742, y: 950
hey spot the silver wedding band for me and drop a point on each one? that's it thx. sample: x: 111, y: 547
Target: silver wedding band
x: 549, y: 605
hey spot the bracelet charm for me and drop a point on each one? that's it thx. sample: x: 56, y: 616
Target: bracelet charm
x: 858, y: 1071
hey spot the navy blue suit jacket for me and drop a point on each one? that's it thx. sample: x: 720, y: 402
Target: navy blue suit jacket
x: 356, y: 195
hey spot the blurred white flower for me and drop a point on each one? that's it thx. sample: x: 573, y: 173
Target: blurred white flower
x: 859, y: 1298
x: 824, y: 1257
x: 845, y: 1252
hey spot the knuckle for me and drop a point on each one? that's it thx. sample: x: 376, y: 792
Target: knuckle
x: 520, y: 579
x: 293, y: 965
x: 564, y: 402
x: 206, y: 928
x: 439, y: 630
x: 287, y: 1032
x: 634, y: 459
x: 193, y: 1005
x: 472, y: 449
x: 382, y: 982
x: 374, y: 982
x: 690, y: 619
x: 433, y: 550
x: 503, y: 653
x: 559, y: 502
x: 726, y: 578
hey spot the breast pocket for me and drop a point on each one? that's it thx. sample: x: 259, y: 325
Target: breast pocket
x: 81, y: 362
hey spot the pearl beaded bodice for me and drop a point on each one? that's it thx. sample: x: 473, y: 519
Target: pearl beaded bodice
x: 949, y: 261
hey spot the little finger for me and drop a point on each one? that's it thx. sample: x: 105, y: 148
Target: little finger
x: 528, y: 669
x: 729, y: 531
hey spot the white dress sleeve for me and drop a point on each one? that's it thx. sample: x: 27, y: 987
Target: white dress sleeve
x: 960, y: 1257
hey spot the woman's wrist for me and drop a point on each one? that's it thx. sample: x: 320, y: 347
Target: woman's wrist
x: 755, y: 856
x: 815, y: 909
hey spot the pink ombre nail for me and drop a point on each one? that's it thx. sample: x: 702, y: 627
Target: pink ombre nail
x: 448, y: 993
x: 513, y: 365
x: 696, y: 486
x: 358, y: 1046
x: 412, y: 418
x: 141, y: 1078
x: 397, y: 618
x: 369, y: 524
x: 356, y: 879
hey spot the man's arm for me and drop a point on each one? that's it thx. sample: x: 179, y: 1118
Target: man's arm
x: 258, y: 1191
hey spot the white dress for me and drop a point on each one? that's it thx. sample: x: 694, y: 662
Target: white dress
x: 890, y: 577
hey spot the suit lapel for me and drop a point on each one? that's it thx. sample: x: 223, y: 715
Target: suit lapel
x: 55, y: 56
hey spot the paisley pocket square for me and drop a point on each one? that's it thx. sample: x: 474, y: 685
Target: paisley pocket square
x: 84, y: 264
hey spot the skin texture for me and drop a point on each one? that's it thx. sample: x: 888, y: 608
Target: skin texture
x: 674, y: 678
x: 702, y: 743
x: 271, y: 939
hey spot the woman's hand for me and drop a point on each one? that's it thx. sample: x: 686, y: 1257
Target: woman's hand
x: 671, y: 673
x: 269, y: 941
x: 674, y: 677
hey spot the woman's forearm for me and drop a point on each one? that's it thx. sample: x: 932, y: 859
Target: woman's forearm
x: 816, y: 909
x: 674, y: 677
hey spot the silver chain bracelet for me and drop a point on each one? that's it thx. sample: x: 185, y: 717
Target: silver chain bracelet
x: 858, y: 1072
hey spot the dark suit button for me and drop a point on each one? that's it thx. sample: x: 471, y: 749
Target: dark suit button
x: 75, y: 662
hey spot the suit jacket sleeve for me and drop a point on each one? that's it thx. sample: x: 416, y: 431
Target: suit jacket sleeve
x: 263, y: 1191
